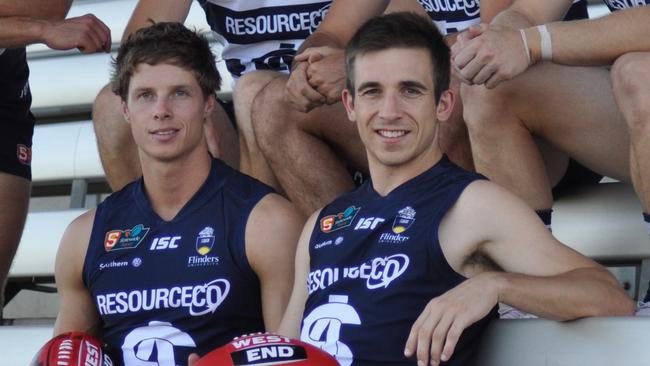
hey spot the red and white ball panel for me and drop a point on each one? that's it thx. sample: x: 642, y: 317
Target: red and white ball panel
x: 266, y: 350
x: 72, y: 349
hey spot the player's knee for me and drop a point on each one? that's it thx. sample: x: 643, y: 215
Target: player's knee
x: 248, y: 86
x: 478, y: 106
x: 269, y: 115
x: 631, y: 82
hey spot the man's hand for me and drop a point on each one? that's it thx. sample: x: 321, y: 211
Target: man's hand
x: 299, y: 93
x: 436, y: 331
x: 326, y: 71
x: 87, y: 33
x: 488, y: 55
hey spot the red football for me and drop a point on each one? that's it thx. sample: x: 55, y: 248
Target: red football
x: 72, y: 349
x: 267, y: 349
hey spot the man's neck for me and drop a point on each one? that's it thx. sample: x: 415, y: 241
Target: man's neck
x: 386, y: 178
x: 170, y: 185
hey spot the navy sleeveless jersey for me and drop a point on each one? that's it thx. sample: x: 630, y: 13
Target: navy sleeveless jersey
x: 451, y: 16
x: 166, y: 289
x: 263, y: 34
x: 375, y: 264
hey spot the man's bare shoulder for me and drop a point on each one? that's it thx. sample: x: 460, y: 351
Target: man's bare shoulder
x: 273, y: 209
x: 74, y: 242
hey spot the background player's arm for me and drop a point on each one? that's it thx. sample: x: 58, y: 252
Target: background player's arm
x: 158, y: 11
x: 271, y: 235
x: 597, y: 41
x: 495, y: 53
x: 510, y: 257
x: 525, y: 13
x: 42, y: 21
x: 318, y: 70
x: 290, y: 325
x: 77, y: 311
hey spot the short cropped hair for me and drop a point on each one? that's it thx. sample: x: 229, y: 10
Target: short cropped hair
x: 165, y: 42
x: 400, y: 30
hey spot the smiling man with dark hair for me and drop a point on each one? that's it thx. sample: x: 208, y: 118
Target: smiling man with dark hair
x: 414, y: 262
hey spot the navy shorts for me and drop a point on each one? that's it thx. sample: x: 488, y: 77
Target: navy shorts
x: 16, y: 121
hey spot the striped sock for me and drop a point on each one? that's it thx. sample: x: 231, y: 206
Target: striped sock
x: 545, y: 216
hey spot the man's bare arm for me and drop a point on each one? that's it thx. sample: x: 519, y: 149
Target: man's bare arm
x: 87, y: 33
x: 511, y: 235
x: 525, y: 13
x: 532, y: 271
x: 272, y: 232
x: 158, y: 11
x: 41, y: 21
x: 38, y: 9
x: 77, y: 311
x: 492, y: 54
x: 290, y: 325
x: 597, y: 41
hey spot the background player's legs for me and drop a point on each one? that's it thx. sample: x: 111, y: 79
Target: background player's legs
x: 308, y: 152
x: 572, y: 108
x: 118, y: 152
x: 252, y: 161
x: 631, y: 82
x: 221, y: 137
x: 453, y: 137
x: 14, y: 195
x: 631, y: 85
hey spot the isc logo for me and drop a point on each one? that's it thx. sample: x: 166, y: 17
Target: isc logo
x: 165, y: 242
x: 368, y: 223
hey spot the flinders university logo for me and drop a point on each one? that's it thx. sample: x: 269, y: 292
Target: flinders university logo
x: 404, y: 219
x: 205, y: 241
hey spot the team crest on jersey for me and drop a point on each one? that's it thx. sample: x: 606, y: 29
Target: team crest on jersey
x: 404, y: 219
x: 125, y: 239
x: 205, y: 241
x: 339, y: 221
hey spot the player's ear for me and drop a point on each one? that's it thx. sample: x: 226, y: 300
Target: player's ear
x: 125, y: 111
x: 445, y: 105
x: 348, y: 102
x: 209, y: 105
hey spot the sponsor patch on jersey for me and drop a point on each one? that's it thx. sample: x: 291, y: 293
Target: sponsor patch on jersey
x: 113, y: 264
x: 368, y: 223
x: 404, y: 219
x: 378, y: 273
x: 136, y: 262
x: 197, y: 299
x: 125, y: 239
x: 165, y: 242
x: 339, y: 221
x: 329, y: 242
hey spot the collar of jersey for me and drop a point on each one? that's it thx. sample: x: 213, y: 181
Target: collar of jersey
x: 208, y: 189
